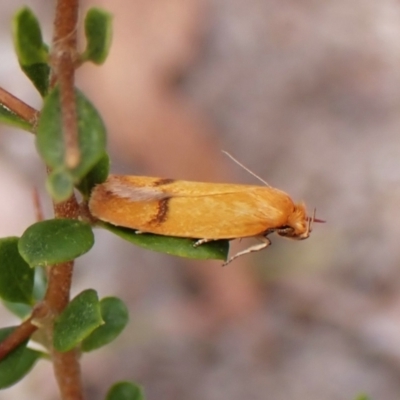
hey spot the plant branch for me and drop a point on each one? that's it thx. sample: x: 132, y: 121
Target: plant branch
x: 60, y: 275
x: 22, y: 333
x: 18, y: 107
x: 66, y: 365
x: 64, y: 58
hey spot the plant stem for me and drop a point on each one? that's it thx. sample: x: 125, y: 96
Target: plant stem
x: 66, y: 365
x: 64, y: 58
x: 24, y: 331
x: 19, y: 335
x: 18, y: 107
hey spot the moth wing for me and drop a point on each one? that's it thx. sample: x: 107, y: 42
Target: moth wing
x: 189, y: 209
x: 119, y: 188
x: 223, y: 216
x: 170, y: 187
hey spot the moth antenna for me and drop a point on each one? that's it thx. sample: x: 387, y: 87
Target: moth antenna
x: 245, y: 168
x: 320, y: 221
x: 312, y: 220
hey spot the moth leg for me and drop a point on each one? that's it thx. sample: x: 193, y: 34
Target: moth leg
x: 257, y: 247
x: 138, y: 232
x: 197, y: 243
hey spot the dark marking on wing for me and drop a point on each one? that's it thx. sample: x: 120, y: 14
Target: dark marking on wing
x: 162, y: 212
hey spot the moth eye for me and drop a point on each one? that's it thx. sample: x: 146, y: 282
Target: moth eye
x: 285, y: 230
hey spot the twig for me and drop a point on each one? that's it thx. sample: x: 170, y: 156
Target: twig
x: 66, y: 365
x: 18, y: 336
x: 24, y: 331
x: 18, y: 107
x: 64, y: 59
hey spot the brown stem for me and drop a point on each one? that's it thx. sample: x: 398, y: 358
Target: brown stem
x: 66, y: 365
x: 64, y: 59
x: 18, y: 107
x: 60, y: 275
x: 68, y: 374
x: 24, y: 331
x: 19, y: 335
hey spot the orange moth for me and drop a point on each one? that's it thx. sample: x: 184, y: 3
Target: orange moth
x: 203, y: 211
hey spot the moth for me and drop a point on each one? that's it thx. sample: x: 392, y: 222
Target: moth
x: 198, y: 210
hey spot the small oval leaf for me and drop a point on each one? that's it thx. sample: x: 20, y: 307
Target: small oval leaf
x: 40, y: 284
x: 39, y: 75
x: 31, y: 50
x: 17, y: 364
x: 98, y: 31
x: 98, y: 174
x: 125, y: 391
x: 28, y: 38
x: 175, y: 246
x: 21, y: 310
x: 50, y: 137
x: 60, y: 185
x: 53, y: 241
x: 79, y: 319
x: 16, y: 277
x: 115, y: 316
x: 39, y: 289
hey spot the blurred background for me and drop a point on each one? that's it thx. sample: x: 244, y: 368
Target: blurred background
x: 307, y: 95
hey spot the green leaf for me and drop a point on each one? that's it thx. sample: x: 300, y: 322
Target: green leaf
x: 54, y: 241
x: 60, y: 185
x: 40, y: 283
x: 32, y: 52
x: 28, y: 38
x: 98, y: 174
x: 125, y: 391
x: 115, y: 316
x: 98, y: 31
x: 16, y: 277
x: 80, y: 318
x: 17, y: 364
x: 39, y: 75
x: 21, y: 310
x: 39, y: 289
x: 175, y: 246
x: 12, y: 119
x: 50, y: 138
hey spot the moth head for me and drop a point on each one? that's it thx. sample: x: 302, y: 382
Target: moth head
x: 298, y: 226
